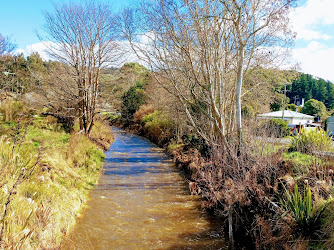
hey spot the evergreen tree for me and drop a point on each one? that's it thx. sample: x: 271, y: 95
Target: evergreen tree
x: 330, y: 95
x: 132, y: 100
x: 304, y: 87
x: 315, y: 107
x: 307, y: 87
x: 321, y: 92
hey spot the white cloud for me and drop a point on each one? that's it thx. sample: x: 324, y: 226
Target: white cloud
x: 308, y: 18
x: 314, y: 24
x: 40, y: 48
x: 19, y: 51
x: 316, y: 59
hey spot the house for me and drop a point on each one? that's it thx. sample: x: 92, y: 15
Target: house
x: 291, y: 117
x: 295, y: 120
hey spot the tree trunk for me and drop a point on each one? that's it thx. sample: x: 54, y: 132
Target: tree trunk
x: 240, y: 75
x: 230, y: 228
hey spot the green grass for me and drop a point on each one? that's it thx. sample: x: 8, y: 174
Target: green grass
x: 49, y: 138
x: 174, y: 146
x: 266, y: 148
x: 300, y: 162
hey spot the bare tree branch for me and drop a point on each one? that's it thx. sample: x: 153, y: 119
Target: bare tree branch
x: 84, y: 38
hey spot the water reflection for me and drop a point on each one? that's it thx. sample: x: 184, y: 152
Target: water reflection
x: 142, y: 202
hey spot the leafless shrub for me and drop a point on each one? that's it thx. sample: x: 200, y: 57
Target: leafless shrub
x: 143, y: 111
x: 243, y: 184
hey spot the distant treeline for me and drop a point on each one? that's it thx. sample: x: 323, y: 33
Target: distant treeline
x: 308, y: 87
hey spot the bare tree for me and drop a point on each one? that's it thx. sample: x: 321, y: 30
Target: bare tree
x: 6, y: 46
x: 83, y: 37
x: 182, y: 45
x: 201, y: 50
x: 257, y: 26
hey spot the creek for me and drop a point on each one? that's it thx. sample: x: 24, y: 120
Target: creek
x: 142, y: 202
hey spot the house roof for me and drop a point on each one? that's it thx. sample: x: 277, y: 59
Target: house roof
x: 287, y: 114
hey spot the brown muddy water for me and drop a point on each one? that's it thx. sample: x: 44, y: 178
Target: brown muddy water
x: 142, y: 202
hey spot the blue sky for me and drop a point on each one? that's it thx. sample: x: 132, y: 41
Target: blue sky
x: 20, y: 19
x: 313, y: 20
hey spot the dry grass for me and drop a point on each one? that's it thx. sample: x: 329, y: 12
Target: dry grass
x: 11, y: 109
x: 100, y: 133
x: 40, y: 196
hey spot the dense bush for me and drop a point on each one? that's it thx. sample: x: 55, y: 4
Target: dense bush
x: 132, y: 100
x: 274, y: 128
x: 311, y: 142
x: 247, y: 111
x: 291, y: 106
x: 196, y: 142
x: 158, y: 126
x: 278, y: 101
x: 315, y: 107
x: 137, y: 68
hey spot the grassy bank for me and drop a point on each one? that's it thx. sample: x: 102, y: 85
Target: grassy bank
x: 46, y: 175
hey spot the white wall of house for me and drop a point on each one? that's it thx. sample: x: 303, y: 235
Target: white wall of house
x: 291, y: 117
x: 302, y: 121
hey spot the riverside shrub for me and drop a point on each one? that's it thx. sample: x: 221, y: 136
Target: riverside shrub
x: 279, y: 127
x: 143, y: 111
x: 244, y: 182
x: 158, y: 126
x: 132, y: 100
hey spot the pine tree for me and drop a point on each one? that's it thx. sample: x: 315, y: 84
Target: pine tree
x: 307, y: 87
x: 330, y: 95
x: 304, y: 87
x: 321, y: 92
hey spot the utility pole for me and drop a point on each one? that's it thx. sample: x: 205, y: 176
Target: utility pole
x: 284, y: 101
